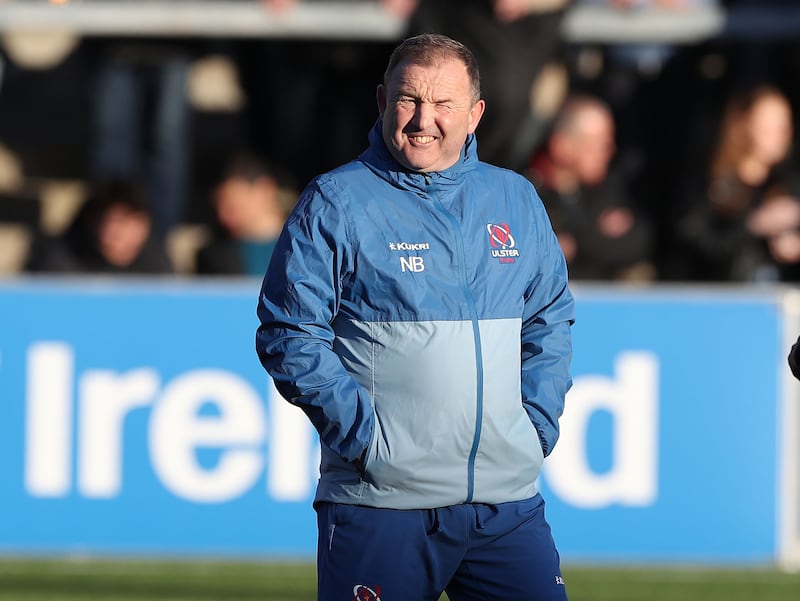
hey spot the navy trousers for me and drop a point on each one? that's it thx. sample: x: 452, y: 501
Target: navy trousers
x: 474, y: 552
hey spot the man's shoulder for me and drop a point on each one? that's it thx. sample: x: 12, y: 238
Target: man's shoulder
x: 350, y: 169
x: 342, y: 177
x: 335, y: 189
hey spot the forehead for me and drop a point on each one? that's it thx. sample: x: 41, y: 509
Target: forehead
x: 771, y: 106
x: 594, y: 120
x: 122, y: 212
x: 445, y: 75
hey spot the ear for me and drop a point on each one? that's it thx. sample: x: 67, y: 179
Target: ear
x: 475, y: 114
x: 381, y: 97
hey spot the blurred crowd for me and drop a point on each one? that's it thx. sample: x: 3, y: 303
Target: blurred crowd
x: 657, y: 161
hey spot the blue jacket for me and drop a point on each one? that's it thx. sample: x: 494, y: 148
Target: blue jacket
x: 422, y: 322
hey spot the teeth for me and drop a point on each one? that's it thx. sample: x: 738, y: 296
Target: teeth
x: 424, y: 139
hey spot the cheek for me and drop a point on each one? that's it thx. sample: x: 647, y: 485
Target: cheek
x: 109, y: 233
x: 389, y: 126
x: 230, y: 213
x: 399, y: 119
x: 458, y: 126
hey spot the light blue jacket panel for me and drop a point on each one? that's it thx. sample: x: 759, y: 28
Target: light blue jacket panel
x: 423, y: 319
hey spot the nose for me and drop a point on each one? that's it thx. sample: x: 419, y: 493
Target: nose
x: 424, y: 115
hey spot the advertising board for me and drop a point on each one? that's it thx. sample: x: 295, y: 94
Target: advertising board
x: 136, y: 419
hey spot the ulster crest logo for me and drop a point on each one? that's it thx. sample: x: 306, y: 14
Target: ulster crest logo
x: 504, y: 248
x: 365, y: 593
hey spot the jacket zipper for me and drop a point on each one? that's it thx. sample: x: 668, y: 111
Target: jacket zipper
x: 459, y: 238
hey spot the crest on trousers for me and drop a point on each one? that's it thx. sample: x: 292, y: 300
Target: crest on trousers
x: 362, y: 592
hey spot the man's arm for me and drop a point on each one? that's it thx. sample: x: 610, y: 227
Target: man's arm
x: 794, y: 359
x: 299, y: 299
x: 547, y: 341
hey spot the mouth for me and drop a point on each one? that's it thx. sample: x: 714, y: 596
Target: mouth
x: 421, y: 140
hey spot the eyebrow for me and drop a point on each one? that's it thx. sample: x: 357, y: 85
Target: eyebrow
x: 401, y: 93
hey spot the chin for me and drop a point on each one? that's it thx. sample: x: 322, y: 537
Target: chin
x: 413, y: 165
x: 419, y: 162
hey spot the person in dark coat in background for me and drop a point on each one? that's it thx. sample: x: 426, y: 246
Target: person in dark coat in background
x: 602, y: 233
x: 112, y: 233
x: 741, y: 216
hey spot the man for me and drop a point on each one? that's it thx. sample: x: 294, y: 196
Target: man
x: 416, y: 308
x: 601, y: 234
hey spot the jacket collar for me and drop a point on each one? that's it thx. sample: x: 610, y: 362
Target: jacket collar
x: 378, y: 158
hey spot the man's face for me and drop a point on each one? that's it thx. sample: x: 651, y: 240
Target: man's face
x: 592, y: 145
x: 428, y: 111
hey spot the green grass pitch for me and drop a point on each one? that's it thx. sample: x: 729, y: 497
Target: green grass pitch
x: 117, y: 580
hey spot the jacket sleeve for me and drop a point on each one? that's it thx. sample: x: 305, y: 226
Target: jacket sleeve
x: 546, y: 337
x: 299, y: 299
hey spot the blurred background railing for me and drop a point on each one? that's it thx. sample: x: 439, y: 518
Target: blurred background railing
x: 369, y: 21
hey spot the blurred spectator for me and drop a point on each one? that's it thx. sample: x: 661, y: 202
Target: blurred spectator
x: 111, y: 233
x: 512, y: 40
x: 660, y: 127
x: 743, y: 223
x: 141, y: 120
x: 600, y: 231
x: 249, y: 217
x: 629, y: 69
x: 310, y: 99
x: 773, y: 58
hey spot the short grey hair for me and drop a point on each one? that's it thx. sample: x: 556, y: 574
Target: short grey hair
x: 428, y: 48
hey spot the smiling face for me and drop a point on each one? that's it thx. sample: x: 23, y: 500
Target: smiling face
x: 428, y: 111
